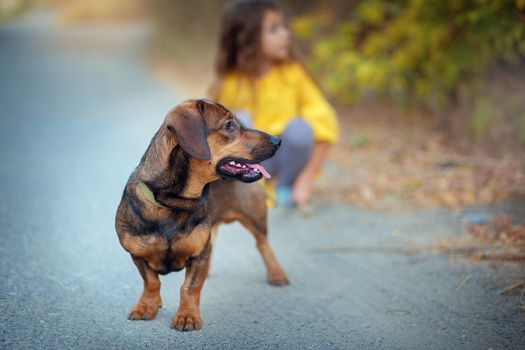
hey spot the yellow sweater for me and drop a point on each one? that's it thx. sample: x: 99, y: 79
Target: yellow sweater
x: 284, y: 93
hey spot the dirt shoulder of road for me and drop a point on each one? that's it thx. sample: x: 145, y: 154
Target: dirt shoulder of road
x: 390, y: 158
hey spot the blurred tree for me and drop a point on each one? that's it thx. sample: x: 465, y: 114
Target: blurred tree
x: 430, y: 53
x: 188, y: 29
x: 12, y: 8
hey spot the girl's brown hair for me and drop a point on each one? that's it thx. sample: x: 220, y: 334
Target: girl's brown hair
x: 240, y: 39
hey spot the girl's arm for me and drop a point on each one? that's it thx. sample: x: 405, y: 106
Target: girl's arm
x: 321, y: 116
x: 302, y: 188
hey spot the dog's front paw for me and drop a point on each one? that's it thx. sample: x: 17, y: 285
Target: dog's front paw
x: 145, y: 309
x: 187, y: 320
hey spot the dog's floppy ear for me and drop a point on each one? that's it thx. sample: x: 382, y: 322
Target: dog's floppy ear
x: 190, y: 130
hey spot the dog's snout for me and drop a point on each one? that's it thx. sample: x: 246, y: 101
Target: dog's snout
x: 275, y: 142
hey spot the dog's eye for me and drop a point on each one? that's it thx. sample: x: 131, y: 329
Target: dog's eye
x: 229, y: 126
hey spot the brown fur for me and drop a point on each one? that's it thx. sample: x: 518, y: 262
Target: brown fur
x: 180, y: 169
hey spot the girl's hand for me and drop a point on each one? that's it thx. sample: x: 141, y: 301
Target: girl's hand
x: 302, y: 190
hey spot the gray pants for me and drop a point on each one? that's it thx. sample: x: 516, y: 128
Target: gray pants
x: 296, y: 149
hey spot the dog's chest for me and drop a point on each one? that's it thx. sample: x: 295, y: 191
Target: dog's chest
x: 164, y: 255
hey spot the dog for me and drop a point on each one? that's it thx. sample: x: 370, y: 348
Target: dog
x: 194, y: 176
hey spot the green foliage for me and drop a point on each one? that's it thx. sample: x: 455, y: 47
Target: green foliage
x: 425, y: 52
x: 11, y: 9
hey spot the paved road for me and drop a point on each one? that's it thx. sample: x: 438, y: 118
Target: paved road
x: 78, y: 109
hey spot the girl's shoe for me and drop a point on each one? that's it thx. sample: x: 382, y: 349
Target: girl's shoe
x: 283, y: 195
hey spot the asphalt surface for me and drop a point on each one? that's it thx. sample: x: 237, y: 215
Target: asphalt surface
x: 78, y: 108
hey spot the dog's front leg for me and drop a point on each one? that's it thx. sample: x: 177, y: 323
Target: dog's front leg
x: 188, y: 316
x: 148, y: 305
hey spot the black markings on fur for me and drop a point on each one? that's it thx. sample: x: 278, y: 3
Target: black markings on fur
x: 150, y: 146
x: 198, y: 262
x: 167, y: 262
x: 174, y: 176
x: 223, y: 108
x: 171, y: 199
x: 178, y: 169
x: 170, y: 183
x: 201, y: 106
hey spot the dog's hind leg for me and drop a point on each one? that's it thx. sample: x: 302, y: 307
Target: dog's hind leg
x: 150, y: 302
x: 259, y: 228
x: 246, y: 203
x: 213, y: 239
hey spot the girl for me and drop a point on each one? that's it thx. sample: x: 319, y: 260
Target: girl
x: 263, y: 82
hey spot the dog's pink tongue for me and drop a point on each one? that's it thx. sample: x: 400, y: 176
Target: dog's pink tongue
x: 261, y: 169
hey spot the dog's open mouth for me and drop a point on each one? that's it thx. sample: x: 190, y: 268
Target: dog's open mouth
x: 245, y: 171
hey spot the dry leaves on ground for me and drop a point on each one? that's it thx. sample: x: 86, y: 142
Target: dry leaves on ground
x: 388, y: 167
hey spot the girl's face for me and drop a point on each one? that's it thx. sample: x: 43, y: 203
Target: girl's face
x: 275, y: 38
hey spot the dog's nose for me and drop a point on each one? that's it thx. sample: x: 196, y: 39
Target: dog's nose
x: 275, y: 142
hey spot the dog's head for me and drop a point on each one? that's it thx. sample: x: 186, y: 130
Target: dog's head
x: 219, y: 145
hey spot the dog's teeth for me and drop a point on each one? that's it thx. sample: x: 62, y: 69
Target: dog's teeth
x: 238, y: 165
x: 257, y: 170
x: 232, y: 163
x: 244, y: 166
